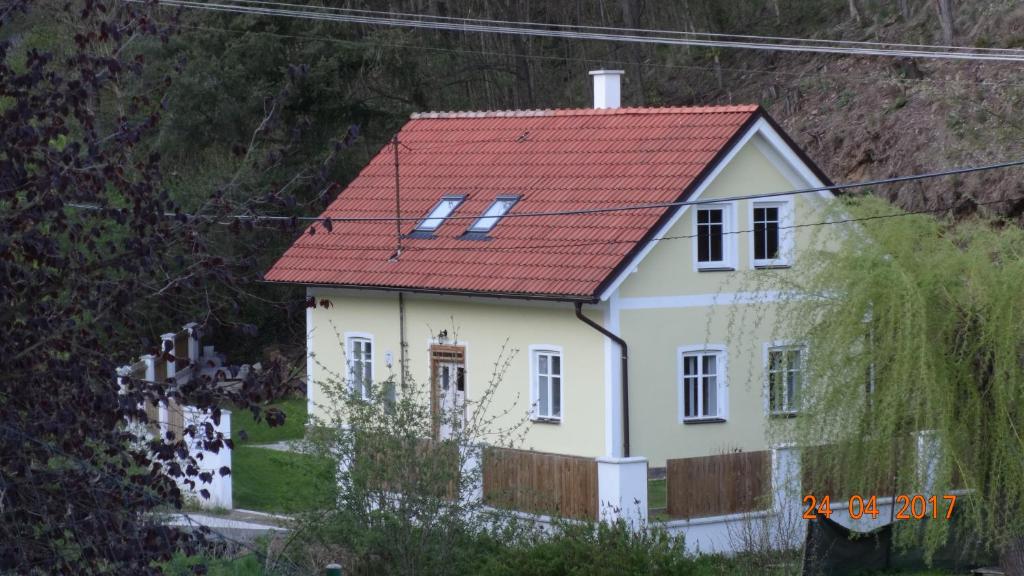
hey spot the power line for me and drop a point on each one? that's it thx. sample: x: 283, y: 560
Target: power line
x: 479, y: 247
x: 603, y: 210
x: 529, y: 29
x: 606, y: 62
x: 685, y: 33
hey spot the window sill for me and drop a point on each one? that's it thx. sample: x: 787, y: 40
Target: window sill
x: 782, y: 415
x: 540, y: 420
x: 704, y: 420
x: 769, y: 266
x: 716, y: 269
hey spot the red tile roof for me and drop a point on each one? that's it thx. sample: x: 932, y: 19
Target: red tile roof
x: 556, y: 159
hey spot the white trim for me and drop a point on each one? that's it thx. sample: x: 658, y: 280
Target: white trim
x: 349, y: 336
x: 721, y: 380
x: 533, y: 350
x: 310, y: 358
x: 783, y: 157
x: 730, y: 240
x: 787, y: 237
x: 701, y: 300
x: 610, y: 315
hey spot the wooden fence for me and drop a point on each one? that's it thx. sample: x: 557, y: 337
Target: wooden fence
x: 717, y: 485
x: 541, y: 483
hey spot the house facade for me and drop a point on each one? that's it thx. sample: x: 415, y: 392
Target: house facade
x: 616, y: 254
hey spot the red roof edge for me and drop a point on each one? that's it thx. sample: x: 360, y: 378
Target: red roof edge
x: 446, y: 292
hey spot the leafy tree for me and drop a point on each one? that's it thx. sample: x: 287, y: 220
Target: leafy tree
x: 914, y: 376
x: 93, y: 255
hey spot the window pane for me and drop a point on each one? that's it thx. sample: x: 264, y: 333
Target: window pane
x: 556, y: 396
x: 689, y: 365
x: 556, y: 365
x: 494, y: 213
x: 760, y: 241
x: 445, y: 377
x: 704, y: 397
x: 689, y: 396
x: 542, y: 363
x: 436, y: 217
x: 709, y: 364
x: 711, y: 396
x: 542, y: 395
x: 716, y: 243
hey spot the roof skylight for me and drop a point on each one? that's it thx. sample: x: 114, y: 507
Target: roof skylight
x: 437, y: 216
x: 490, y: 218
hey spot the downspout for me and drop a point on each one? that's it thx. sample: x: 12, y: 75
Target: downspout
x: 625, y: 374
x: 402, y: 345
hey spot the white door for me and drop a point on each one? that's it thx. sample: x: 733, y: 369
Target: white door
x: 449, y: 390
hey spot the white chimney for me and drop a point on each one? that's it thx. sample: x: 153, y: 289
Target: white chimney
x: 606, y: 88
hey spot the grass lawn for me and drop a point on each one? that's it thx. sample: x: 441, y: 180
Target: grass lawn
x: 657, y: 495
x: 261, y: 433
x: 275, y: 481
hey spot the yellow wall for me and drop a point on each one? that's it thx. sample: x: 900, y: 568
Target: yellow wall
x: 682, y: 315
x: 482, y: 326
x: 665, y: 304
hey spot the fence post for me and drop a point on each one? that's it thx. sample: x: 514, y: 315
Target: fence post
x: 193, y: 341
x: 471, y: 462
x: 786, y: 495
x: 167, y: 344
x: 333, y: 570
x: 622, y: 490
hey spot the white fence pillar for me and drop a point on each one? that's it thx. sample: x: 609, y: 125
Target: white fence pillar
x: 622, y: 490
x: 472, y: 473
x: 193, y: 341
x: 219, y: 486
x: 787, y: 497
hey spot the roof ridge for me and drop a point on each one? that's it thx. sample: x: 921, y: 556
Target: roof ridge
x: 718, y: 108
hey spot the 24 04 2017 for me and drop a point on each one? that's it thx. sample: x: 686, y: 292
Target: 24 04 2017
x: 908, y: 507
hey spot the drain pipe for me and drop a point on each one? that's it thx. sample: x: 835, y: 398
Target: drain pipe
x: 625, y: 374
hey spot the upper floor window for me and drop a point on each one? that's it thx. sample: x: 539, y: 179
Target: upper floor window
x: 702, y: 384
x: 713, y: 225
x: 770, y: 238
x: 360, y: 364
x: 439, y: 213
x: 490, y: 218
x: 785, y: 375
x: 546, y: 383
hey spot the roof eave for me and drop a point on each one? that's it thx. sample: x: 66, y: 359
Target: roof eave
x: 571, y: 298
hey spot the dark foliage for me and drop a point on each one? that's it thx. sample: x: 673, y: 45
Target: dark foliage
x: 89, y: 260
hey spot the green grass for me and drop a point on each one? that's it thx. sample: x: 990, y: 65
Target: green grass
x: 283, y: 482
x: 657, y: 494
x: 261, y: 433
x: 248, y: 565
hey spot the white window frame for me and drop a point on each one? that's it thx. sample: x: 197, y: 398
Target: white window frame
x: 721, y: 380
x: 490, y: 218
x: 437, y: 216
x: 786, y: 233
x: 535, y: 414
x: 350, y: 338
x: 728, y: 261
x: 783, y: 345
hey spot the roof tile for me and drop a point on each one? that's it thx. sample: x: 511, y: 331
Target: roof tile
x: 558, y: 160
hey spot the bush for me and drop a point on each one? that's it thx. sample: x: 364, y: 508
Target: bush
x: 585, y: 549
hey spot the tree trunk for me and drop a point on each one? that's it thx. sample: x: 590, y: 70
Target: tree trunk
x: 904, y: 6
x: 855, y: 11
x: 945, y: 11
x: 1011, y: 558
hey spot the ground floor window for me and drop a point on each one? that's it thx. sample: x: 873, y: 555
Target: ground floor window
x: 702, y: 384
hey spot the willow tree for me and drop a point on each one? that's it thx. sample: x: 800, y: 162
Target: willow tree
x: 914, y: 367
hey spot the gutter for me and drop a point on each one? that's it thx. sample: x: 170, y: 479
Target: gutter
x: 625, y: 373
